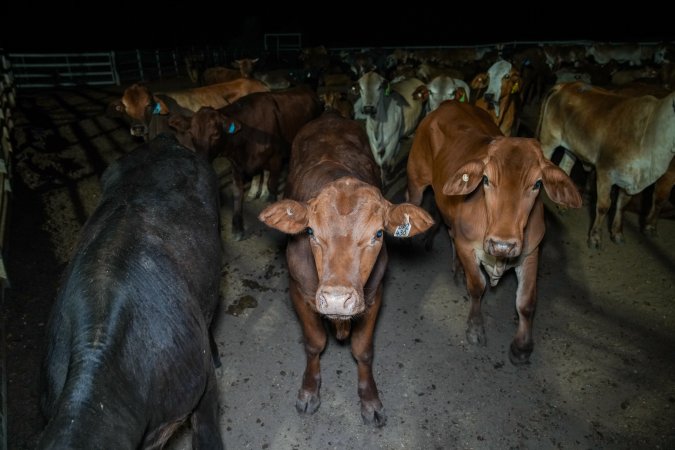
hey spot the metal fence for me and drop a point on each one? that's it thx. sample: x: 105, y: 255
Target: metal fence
x: 7, y: 103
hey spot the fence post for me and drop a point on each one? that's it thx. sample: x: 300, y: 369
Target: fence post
x: 140, y: 65
x: 113, y: 68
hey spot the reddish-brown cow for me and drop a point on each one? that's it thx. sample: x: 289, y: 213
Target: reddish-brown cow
x: 148, y: 112
x: 336, y: 216
x: 486, y: 188
x: 254, y: 133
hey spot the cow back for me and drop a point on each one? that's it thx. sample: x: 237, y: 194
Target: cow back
x: 326, y: 149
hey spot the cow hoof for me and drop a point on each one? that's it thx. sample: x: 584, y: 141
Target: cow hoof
x: 475, y: 334
x: 618, y: 238
x: 374, y: 415
x: 594, y: 243
x: 238, y: 235
x: 519, y: 357
x: 307, y: 403
x: 650, y: 230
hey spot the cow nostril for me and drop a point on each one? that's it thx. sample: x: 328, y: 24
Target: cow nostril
x: 349, y: 302
x: 489, y: 97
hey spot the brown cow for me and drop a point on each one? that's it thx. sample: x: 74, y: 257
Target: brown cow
x: 254, y: 133
x: 487, y: 188
x: 498, y: 93
x: 335, y: 215
x: 142, y: 107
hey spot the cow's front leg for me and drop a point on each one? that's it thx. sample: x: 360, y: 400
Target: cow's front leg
x: 526, y: 303
x: 238, y: 210
x: 315, y: 341
x: 475, y: 285
x: 273, y: 180
x: 372, y: 410
x: 602, y: 204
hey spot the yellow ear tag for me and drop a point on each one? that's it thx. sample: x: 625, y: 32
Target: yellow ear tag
x: 514, y: 89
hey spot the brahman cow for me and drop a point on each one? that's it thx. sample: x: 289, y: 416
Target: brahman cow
x: 501, y: 97
x: 486, y: 188
x: 629, y: 140
x: 390, y: 112
x: 148, y: 112
x: 336, y: 217
x: 254, y: 133
x: 439, y: 89
x: 129, y: 355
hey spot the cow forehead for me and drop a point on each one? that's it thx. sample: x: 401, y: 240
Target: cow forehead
x: 514, y: 155
x: 136, y: 95
x: 347, y: 202
x: 371, y: 80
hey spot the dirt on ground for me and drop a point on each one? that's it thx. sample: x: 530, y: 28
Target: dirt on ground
x: 600, y: 376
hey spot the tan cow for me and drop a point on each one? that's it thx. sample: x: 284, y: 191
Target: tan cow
x: 486, y: 188
x: 336, y: 216
x: 629, y: 140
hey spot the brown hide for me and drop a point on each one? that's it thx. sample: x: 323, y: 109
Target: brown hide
x: 336, y: 217
x: 254, y: 133
x: 140, y: 105
x: 486, y: 187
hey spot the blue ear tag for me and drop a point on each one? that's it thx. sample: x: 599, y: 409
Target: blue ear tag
x: 231, y: 129
x: 157, y: 109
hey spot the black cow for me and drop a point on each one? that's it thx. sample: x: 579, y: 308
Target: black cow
x: 127, y: 358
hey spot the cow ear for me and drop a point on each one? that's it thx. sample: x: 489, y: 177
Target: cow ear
x: 115, y: 109
x: 406, y: 220
x: 160, y: 107
x: 179, y: 122
x: 465, y: 180
x: 231, y: 126
x: 421, y: 93
x: 479, y: 81
x: 286, y: 215
x: 559, y: 186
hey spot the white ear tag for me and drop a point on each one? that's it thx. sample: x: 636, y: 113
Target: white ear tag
x: 403, y: 230
x: 465, y: 178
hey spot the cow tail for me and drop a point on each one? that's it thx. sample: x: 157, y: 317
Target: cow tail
x: 544, y: 104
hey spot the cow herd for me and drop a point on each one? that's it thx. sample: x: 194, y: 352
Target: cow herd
x: 130, y: 354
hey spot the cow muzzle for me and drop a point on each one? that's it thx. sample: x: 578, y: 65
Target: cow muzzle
x: 502, y: 248
x: 339, y: 301
x: 489, y: 98
x: 369, y: 110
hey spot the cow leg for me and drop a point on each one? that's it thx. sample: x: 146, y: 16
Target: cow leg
x: 660, y: 196
x: 314, y: 333
x: 273, y: 181
x: 603, y: 202
x: 526, y: 302
x: 372, y: 410
x: 616, y: 231
x: 238, y: 210
x: 205, y: 429
x: 253, y: 191
x: 475, y: 285
x: 264, y: 182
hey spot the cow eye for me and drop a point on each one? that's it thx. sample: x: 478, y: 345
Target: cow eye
x: 486, y: 182
x: 309, y: 231
x: 537, y: 185
x: 507, y: 76
x: 379, y: 234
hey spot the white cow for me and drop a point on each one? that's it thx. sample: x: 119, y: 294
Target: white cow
x: 442, y: 88
x: 390, y: 113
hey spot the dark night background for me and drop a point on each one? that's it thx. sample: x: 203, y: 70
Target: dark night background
x: 91, y: 26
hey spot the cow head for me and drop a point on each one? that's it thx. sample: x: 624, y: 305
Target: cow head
x: 245, y: 66
x: 345, y: 225
x: 372, y: 87
x: 442, y: 88
x: 511, y: 176
x: 503, y: 80
x: 138, y: 105
x: 204, y: 130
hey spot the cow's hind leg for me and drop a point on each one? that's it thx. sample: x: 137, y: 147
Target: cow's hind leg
x: 308, y: 400
x: 372, y: 410
x: 526, y: 302
x: 205, y: 429
x: 238, y: 210
x: 603, y: 202
x: 616, y: 232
